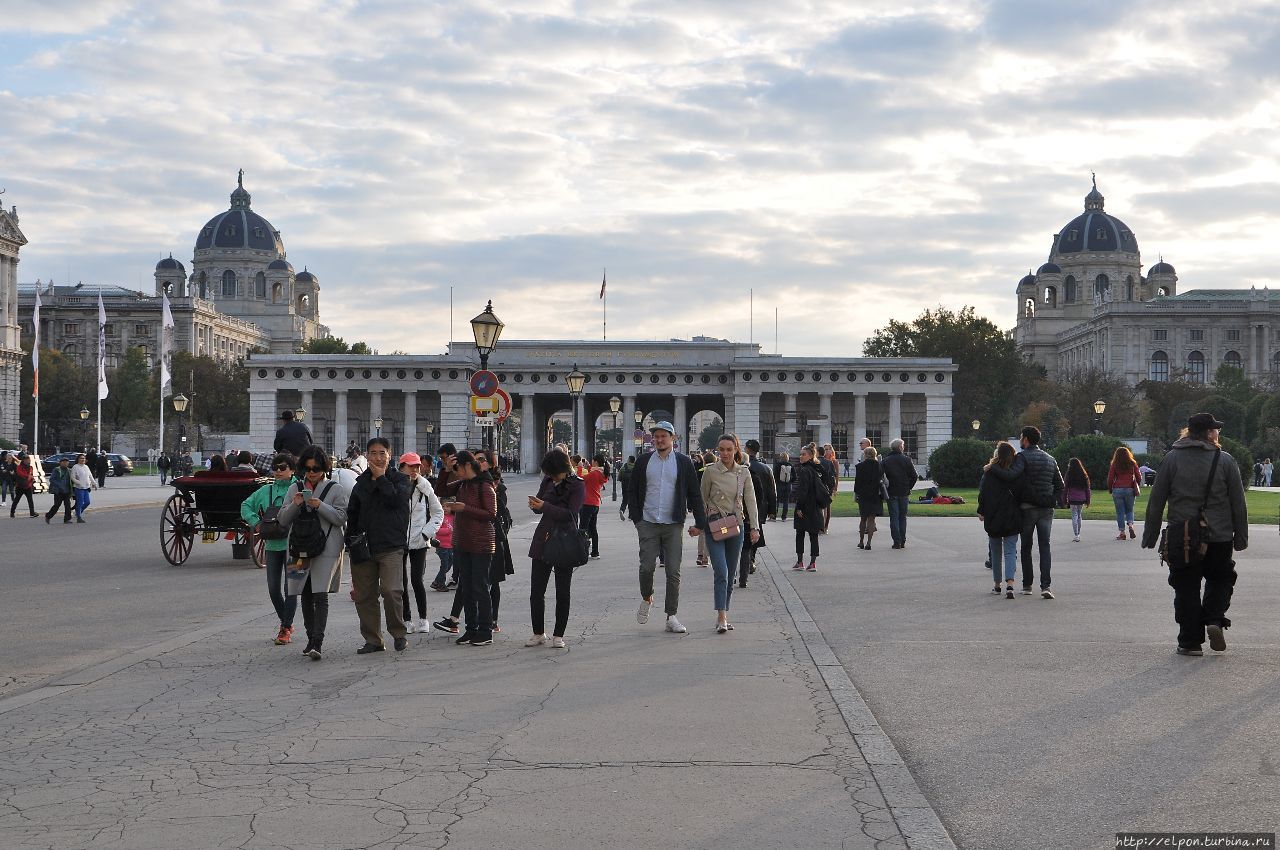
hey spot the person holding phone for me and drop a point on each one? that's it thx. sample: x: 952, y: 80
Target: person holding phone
x: 474, y: 507
x: 559, y: 500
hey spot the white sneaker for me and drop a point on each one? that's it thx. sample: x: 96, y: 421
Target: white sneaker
x: 642, y: 616
x: 536, y: 640
x: 410, y: 626
x: 557, y: 642
x: 423, y: 627
x: 1075, y: 539
x: 674, y: 625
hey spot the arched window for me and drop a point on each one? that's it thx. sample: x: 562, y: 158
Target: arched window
x: 1029, y: 308
x: 1162, y: 291
x: 73, y: 354
x: 228, y: 284
x: 1069, y: 290
x: 204, y: 285
x: 275, y: 294
x: 1128, y: 288
x: 146, y: 354
x: 1195, y: 367
x: 168, y: 289
x: 303, y: 302
x: 260, y: 285
x: 1101, y: 287
x: 1275, y: 362
x: 1158, y: 368
x: 1233, y: 359
x: 1051, y: 296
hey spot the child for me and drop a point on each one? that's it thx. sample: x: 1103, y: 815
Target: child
x: 444, y: 541
x: 1078, y: 492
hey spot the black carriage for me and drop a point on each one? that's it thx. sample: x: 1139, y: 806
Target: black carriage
x: 208, y: 505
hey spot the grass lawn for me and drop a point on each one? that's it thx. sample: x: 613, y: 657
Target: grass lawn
x: 1263, y: 507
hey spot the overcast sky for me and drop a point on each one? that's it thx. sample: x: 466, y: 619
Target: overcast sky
x: 848, y: 163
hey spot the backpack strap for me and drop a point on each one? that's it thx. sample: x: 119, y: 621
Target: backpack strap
x: 1213, y: 469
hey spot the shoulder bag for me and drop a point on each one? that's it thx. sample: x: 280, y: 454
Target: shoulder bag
x: 565, y: 547
x: 724, y: 526
x: 1183, y: 543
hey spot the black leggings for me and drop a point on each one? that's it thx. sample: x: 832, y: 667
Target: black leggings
x: 587, y: 521
x: 537, y: 596
x: 813, y: 543
x: 495, y: 597
x: 13, y: 506
x: 315, y: 613
x: 417, y: 560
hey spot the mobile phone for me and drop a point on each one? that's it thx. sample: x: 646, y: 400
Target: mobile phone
x: 308, y: 494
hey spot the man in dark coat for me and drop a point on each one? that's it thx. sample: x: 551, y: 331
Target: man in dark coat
x: 293, y: 436
x: 379, y: 508
x: 1039, y: 488
x: 766, y: 504
x: 900, y: 476
x: 101, y: 469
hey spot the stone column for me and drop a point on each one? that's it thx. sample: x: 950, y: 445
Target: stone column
x: 682, y: 421
x: 455, y: 418
x: 789, y: 413
x: 746, y: 416
x: 824, y: 424
x: 628, y: 425
x: 579, y: 446
x: 375, y: 411
x: 937, y: 425
x: 262, y: 421
x: 859, y: 419
x: 895, y: 418
x: 340, y: 437
x: 410, y: 421
x: 530, y: 456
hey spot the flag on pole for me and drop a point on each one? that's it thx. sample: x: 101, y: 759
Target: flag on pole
x: 603, y: 282
x: 35, y: 349
x: 102, y: 349
x: 166, y: 344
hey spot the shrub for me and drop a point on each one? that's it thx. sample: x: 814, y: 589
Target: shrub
x: 1233, y: 414
x: 1094, y: 452
x: 959, y: 462
x: 6, y: 445
x: 1242, y: 456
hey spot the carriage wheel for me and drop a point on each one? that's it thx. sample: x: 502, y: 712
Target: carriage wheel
x: 259, y: 550
x: 177, y: 532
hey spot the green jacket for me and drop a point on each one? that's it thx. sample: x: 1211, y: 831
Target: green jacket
x: 267, y: 494
x: 60, y: 480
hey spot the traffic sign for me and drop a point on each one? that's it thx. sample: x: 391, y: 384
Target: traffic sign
x: 504, y: 404
x: 484, y: 383
x: 481, y: 405
x: 486, y: 421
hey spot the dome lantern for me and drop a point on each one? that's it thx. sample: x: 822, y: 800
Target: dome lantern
x: 240, y: 197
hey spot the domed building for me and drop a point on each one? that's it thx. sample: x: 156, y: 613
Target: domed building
x: 1090, y: 306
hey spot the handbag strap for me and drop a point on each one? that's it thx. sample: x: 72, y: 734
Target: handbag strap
x: 1213, y: 468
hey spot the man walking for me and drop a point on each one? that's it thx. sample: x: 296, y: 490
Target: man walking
x: 900, y: 476
x: 766, y: 504
x: 162, y: 464
x: 293, y: 436
x: 783, y: 473
x: 624, y: 477
x: 379, y: 509
x: 60, y: 487
x: 662, y: 490
x: 1041, y: 490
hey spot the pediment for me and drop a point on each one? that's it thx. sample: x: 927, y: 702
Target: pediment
x: 9, y: 230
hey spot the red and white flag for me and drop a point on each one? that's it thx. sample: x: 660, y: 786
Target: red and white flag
x: 35, y: 349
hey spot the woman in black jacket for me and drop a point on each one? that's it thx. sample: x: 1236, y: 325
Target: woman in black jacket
x: 1001, y: 517
x: 500, y: 567
x: 559, y: 500
x: 867, y: 489
x: 811, y: 497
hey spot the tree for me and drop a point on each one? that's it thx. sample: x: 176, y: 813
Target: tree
x: 1242, y: 456
x: 130, y: 392
x: 1094, y: 452
x: 1052, y: 422
x: 993, y: 381
x: 1161, y: 399
x: 65, y: 387
x: 1076, y: 393
x: 561, y: 432
x: 710, y: 435
x: 1230, y: 381
x: 334, y: 345
x: 1233, y: 414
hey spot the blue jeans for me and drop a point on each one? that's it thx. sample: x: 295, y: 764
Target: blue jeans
x: 898, y: 518
x: 446, y: 564
x: 6, y: 490
x: 1009, y: 545
x: 724, y: 563
x: 286, y: 606
x: 1038, y: 521
x: 1123, y: 497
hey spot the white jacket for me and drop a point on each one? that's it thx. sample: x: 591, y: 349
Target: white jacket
x: 427, y: 514
x: 82, y: 478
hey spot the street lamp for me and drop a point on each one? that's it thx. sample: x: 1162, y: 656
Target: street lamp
x: 1099, y: 408
x: 180, y: 403
x: 84, y: 427
x: 300, y: 414
x: 639, y: 441
x: 575, y: 381
x: 486, y: 328
x: 615, y: 405
x: 976, y: 425
x: 377, y: 425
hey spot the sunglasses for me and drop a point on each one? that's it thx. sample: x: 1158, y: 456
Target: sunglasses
x: 311, y: 468
x: 281, y: 467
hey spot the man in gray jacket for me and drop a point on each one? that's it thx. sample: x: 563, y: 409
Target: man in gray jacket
x: 1180, y: 484
x: 1039, y: 489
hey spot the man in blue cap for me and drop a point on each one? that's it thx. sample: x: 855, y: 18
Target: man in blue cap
x: 662, y: 490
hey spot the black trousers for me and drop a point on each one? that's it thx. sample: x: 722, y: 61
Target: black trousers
x: 415, y: 567
x: 315, y: 613
x: 13, y: 506
x: 587, y: 522
x: 64, y: 500
x: 539, y: 578
x: 813, y: 543
x: 1193, y: 612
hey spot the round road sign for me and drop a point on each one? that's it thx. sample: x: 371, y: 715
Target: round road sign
x: 484, y: 383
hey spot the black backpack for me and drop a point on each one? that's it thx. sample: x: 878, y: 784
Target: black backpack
x: 307, y: 534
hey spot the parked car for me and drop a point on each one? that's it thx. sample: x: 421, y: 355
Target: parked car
x: 120, y: 464
x: 50, y: 462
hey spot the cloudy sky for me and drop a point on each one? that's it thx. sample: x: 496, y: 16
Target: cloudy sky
x: 850, y: 162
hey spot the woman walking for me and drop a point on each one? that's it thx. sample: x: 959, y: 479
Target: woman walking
x: 273, y: 495
x: 23, y: 484
x: 559, y: 500
x: 594, y: 480
x: 424, y: 520
x: 6, y: 476
x: 1002, y: 519
x: 328, y: 499
x: 474, y: 507
x: 82, y: 481
x: 1197, y: 478
x: 811, y: 496
x: 730, y: 500
x: 1078, y: 492
x: 867, y: 489
x: 1125, y: 483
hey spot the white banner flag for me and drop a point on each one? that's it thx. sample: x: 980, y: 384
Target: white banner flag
x: 102, y: 349
x: 35, y: 349
x: 166, y: 347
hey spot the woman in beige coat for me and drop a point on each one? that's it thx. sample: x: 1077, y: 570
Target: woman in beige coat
x: 727, y: 491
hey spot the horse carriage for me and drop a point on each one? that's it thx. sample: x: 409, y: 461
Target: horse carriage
x: 208, y: 504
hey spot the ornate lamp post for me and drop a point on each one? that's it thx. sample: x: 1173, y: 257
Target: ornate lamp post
x: 1099, y: 408
x: 486, y: 328
x: 575, y: 381
x: 300, y: 414
x: 615, y: 405
x: 975, y: 424
x: 84, y: 426
x: 180, y: 403
x: 639, y: 441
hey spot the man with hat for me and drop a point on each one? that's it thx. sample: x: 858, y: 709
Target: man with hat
x: 662, y: 490
x: 293, y: 436
x: 1196, y: 473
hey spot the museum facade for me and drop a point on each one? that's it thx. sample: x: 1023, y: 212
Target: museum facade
x: 422, y: 401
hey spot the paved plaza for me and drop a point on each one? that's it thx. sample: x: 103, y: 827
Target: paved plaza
x: 887, y: 700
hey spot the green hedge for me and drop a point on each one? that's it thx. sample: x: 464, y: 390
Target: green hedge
x: 959, y: 462
x: 1242, y: 456
x: 1094, y: 452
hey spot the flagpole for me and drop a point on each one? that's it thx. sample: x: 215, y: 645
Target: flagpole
x: 102, y: 363
x: 35, y: 375
x: 604, y: 297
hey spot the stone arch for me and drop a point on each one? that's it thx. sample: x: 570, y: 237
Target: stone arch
x: 1232, y: 358
x: 228, y: 284
x: 1051, y: 296
x: 1196, y: 367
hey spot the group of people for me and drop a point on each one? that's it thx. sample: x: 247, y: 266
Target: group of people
x: 69, y: 483
x: 1197, y: 481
